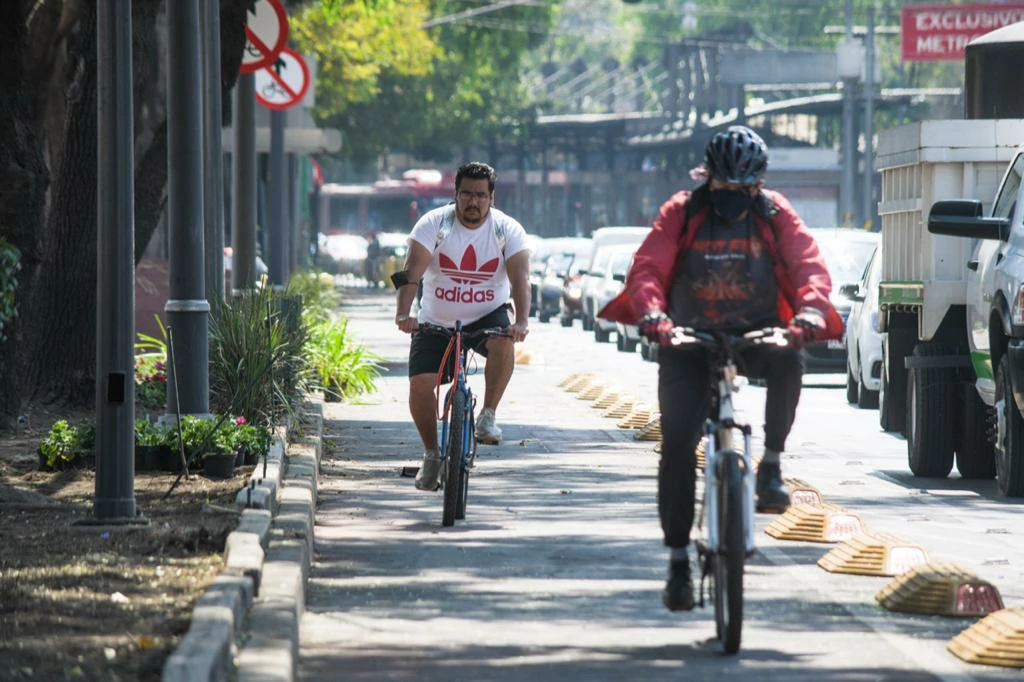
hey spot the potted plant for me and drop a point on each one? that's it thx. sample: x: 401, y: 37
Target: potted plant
x: 65, y: 446
x: 153, y: 447
x: 253, y: 442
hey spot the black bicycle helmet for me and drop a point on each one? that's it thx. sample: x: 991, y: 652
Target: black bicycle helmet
x: 736, y: 155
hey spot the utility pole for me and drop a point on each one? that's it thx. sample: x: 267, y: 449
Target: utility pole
x: 849, y: 182
x: 115, y: 285
x: 213, y: 176
x: 277, y: 242
x: 869, y: 125
x: 188, y: 384
x: 243, y: 224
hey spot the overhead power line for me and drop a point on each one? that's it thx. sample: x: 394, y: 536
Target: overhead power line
x: 476, y: 11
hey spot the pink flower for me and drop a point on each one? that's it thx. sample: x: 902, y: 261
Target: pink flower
x: 240, y: 420
x: 160, y: 366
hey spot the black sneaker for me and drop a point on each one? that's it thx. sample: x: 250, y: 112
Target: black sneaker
x: 772, y: 495
x: 678, y: 592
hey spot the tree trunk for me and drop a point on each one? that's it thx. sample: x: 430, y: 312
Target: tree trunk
x: 61, y: 335
x: 23, y: 183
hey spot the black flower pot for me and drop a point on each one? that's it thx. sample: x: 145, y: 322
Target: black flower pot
x: 153, y: 457
x: 219, y: 465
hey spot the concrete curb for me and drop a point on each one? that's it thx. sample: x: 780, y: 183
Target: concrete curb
x: 246, y: 625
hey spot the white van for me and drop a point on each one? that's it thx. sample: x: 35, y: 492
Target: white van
x: 600, y: 258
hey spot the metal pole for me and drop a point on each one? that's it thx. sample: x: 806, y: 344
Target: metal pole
x: 213, y: 177
x: 277, y: 243
x: 869, y: 125
x: 243, y: 236
x: 848, y: 189
x: 115, y: 261
x: 187, y: 308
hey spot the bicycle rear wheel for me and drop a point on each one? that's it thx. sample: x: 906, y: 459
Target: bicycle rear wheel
x: 731, y: 552
x: 453, y: 457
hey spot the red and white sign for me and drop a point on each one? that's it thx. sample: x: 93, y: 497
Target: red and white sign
x: 936, y: 32
x: 283, y: 84
x: 266, y: 34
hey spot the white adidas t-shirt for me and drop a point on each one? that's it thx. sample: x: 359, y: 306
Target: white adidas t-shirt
x: 467, y: 279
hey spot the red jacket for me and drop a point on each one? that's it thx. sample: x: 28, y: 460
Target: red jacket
x: 800, y: 271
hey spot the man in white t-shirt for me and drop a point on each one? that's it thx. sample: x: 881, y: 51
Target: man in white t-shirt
x: 471, y: 259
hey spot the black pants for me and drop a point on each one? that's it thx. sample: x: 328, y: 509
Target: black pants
x: 684, y: 393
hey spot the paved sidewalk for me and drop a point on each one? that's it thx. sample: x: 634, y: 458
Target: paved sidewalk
x: 556, y: 572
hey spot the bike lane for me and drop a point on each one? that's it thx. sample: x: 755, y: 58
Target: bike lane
x: 557, y: 569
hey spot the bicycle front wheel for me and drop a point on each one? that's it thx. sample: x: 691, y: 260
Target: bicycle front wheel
x: 453, y: 457
x: 460, y: 507
x: 731, y: 551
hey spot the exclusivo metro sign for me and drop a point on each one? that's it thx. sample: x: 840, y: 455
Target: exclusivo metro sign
x: 935, y: 32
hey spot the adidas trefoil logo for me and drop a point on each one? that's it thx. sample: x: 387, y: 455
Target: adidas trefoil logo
x: 467, y: 271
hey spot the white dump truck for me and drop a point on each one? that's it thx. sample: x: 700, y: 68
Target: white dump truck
x: 951, y: 302
x: 929, y: 373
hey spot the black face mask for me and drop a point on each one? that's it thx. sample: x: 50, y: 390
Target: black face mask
x: 731, y: 203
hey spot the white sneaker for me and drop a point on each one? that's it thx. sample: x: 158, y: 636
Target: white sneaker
x: 486, y: 430
x: 426, y: 477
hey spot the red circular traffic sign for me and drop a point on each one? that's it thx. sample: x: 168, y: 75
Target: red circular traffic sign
x: 266, y: 33
x: 284, y: 83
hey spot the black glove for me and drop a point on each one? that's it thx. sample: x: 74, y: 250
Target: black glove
x: 656, y: 327
x: 806, y: 326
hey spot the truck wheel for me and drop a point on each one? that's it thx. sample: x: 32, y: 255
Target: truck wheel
x: 1009, y: 448
x: 900, y: 342
x: 975, y: 452
x: 566, y: 321
x: 544, y: 317
x: 930, y: 416
x: 629, y: 345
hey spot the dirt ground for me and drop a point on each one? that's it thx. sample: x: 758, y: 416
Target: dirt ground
x: 86, y: 603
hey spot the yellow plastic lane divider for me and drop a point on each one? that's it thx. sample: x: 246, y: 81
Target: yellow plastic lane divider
x: 641, y: 414
x: 580, y: 383
x: 942, y: 589
x: 996, y: 639
x: 802, y: 492
x: 874, y: 554
x: 827, y: 523
x: 593, y: 391
x: 607, y: 399
x: 621, y: 408
x: 651, y: 430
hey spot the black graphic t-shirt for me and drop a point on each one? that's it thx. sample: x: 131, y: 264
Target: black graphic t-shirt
x: 725, y: 282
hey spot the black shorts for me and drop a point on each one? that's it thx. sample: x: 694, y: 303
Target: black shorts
x: 427, y: 350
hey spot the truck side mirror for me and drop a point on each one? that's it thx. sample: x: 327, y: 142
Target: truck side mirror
x: 963, y: 218
x: 851, y: 291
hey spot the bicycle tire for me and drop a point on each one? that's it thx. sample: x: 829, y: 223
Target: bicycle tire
x: 460, y: 508
x: 731, y: 552
x: 453, y: 457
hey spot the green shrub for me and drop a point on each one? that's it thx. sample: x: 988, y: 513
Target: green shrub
x: 255, y: 359
x: 64, y: 442
x: 340, y: 367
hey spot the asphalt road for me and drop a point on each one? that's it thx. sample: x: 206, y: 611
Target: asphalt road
x: 557, y: 570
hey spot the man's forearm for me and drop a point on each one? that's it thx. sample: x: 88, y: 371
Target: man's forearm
x: 521, y: 299
x: 406, y: 295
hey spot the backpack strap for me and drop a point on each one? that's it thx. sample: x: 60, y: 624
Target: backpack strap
x: 448, y: 224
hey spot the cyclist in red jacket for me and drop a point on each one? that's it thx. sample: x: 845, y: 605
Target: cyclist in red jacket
x: 734, y: 257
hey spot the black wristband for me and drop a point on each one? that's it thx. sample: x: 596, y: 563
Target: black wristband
x: 401, y: 279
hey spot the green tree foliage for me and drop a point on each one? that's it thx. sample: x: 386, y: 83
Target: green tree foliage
x: 461, y: 82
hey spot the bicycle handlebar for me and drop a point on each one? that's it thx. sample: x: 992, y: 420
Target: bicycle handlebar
x: 712, y: 340
x: 427, y: 328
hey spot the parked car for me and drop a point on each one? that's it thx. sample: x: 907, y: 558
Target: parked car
x: 539, y: 251
x: 387, y: 252
x: 620, y: 257
x: 557, y: 265
x: 627, y: 336
x: 595, y: 271
x: 846, y: 252
x: 863, y: 341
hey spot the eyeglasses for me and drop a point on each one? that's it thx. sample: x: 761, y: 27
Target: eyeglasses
x: 469, y: 196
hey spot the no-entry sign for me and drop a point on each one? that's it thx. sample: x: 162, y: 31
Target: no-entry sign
x: 935, y: 32
x: 283, y: 84
x: 266, y: 34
